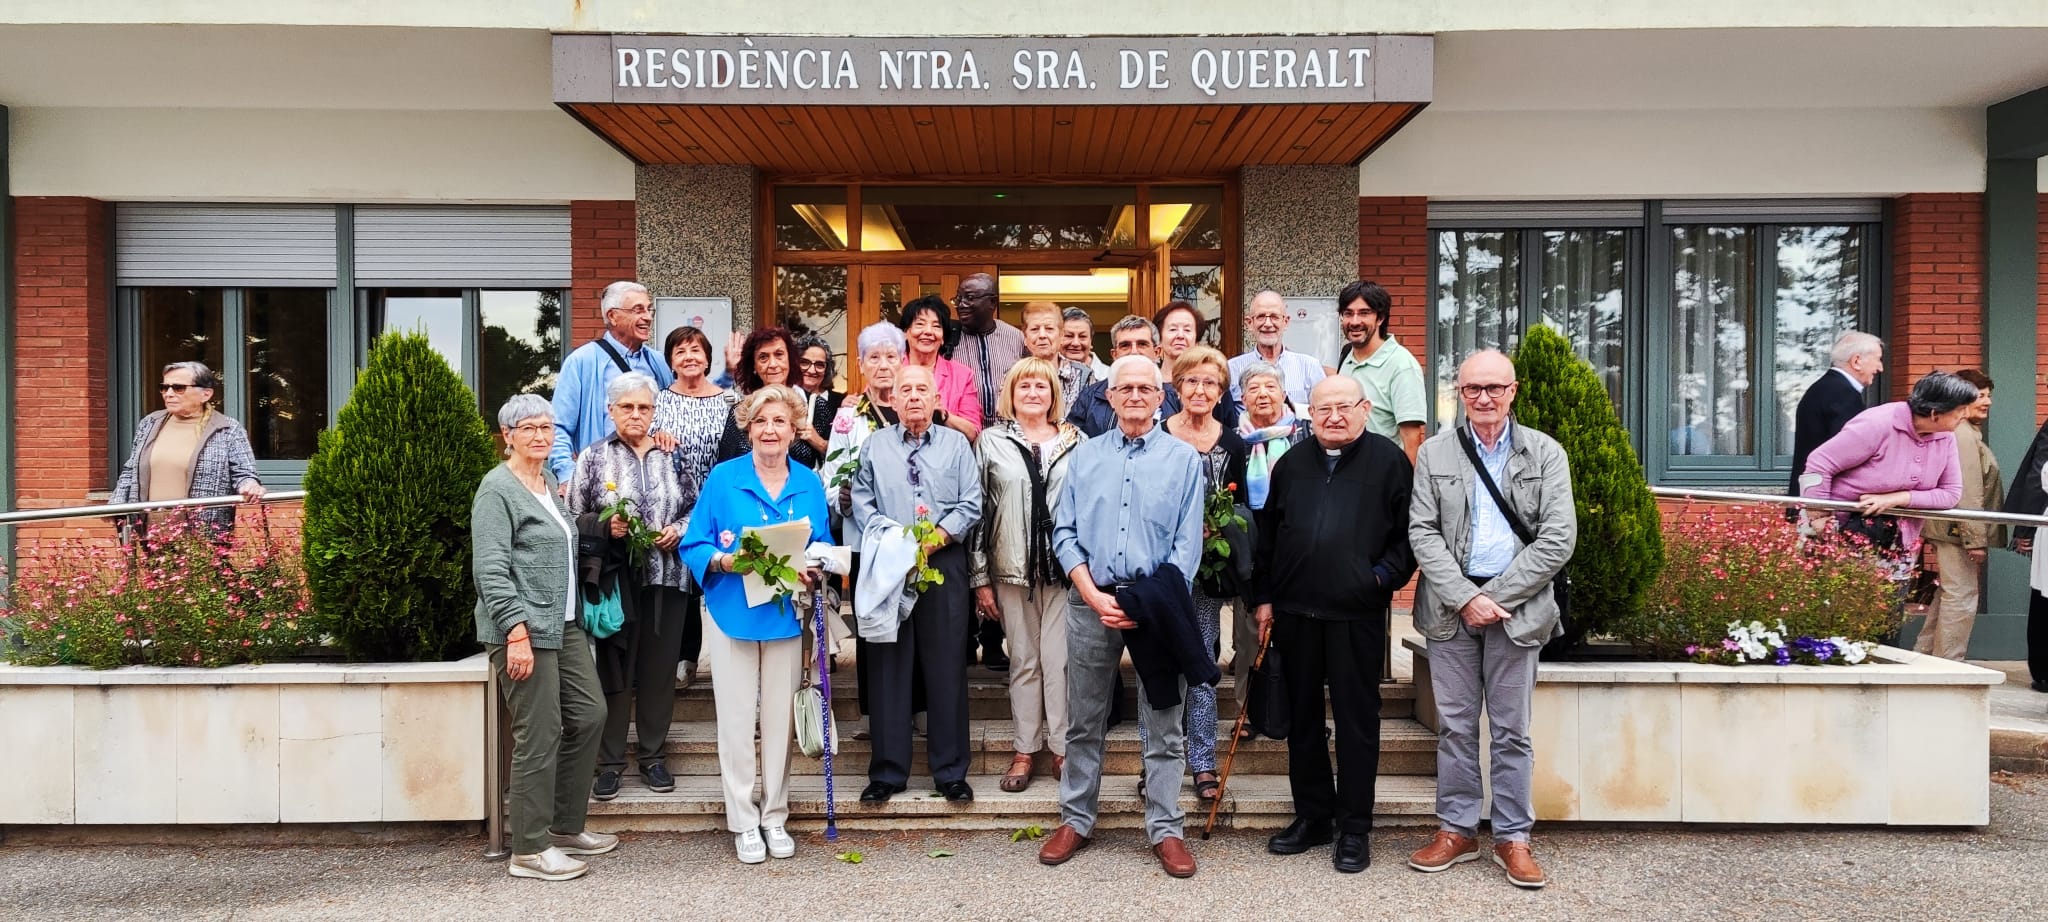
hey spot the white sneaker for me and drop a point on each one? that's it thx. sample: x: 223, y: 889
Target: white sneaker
x: 780, y: 845
x: 686, y: 673
x: 551, y: 864
x: 750, y: 847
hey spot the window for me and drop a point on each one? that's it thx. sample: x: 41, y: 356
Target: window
x: 1706, y: 320
x: 275, y: 380
x: 501, y: 342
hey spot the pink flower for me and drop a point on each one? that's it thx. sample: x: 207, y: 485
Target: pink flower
x: 923, y: 510
x: 842, y: 423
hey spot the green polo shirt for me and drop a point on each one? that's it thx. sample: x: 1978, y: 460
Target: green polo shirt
x: 1392, y: 380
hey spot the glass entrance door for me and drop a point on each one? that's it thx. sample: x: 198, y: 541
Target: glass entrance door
x: 879, y: 293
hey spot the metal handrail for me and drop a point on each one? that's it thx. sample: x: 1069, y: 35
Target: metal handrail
x: 1839, y: 505
x: 106, y: 510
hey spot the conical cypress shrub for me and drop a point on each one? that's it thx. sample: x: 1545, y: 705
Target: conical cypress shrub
x: 1621, y: 543
x: 387, y: 508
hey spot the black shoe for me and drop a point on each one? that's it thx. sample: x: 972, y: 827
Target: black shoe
x: 1351, y: 855
x: 655, y: 775
x: 607, y: 786
x: 956, y: 791
x: 995, y: 659
x: 879, y: 792
x: 1300, y: 836
x: 2041, y: 685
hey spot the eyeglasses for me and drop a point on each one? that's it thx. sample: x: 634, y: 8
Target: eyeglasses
x: 964, y: 297
x: 644, y: 310
x: 533, y: 429
x: 634, y: 409
x: 1205, y: 383
x: 808, y: 365
x: 1126, y: 390
x: 1132, y: 345
x: 174, y: 388
x: 1330, y: 409
x: 1495, y: 391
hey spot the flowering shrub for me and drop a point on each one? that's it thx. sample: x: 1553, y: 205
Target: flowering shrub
x: 1754, y: 643
x: 187, y: 599
x: 1721, y: 574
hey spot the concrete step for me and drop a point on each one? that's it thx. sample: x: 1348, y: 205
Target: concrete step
x: 1406, y: 749
x: 1252, y: 801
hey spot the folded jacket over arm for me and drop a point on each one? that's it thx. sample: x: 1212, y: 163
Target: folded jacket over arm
x: 1166, y: 645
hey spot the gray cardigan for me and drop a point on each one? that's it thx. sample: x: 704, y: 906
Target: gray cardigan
x: 524, y: 563
x: 221, y: 464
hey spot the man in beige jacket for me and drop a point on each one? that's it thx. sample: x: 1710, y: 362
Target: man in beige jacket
x: 1960, y: 547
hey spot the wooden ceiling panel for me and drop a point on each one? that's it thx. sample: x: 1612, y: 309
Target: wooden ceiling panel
x: 912, y: 141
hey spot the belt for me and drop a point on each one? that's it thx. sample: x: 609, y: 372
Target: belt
x: 1114, y: 588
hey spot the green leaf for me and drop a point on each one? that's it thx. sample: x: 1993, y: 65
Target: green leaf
x: 1028, y: 832
x: 849, y: 857
x: 938, y: 853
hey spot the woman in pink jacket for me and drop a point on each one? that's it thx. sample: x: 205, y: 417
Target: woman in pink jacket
x: 1895, y: 455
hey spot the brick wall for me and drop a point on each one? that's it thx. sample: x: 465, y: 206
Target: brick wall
x: 61, y: 304
x: 602, y: 240
x: 1937, y: 286
x: 1393, y: 250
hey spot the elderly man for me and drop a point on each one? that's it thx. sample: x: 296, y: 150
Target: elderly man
x: 581, y: 419
x: 915, y: 472
x: 1323, y: 582
x: 1130, y: 506
x: 1836, y: 397
x: 1093, y: 410
x: 1267, y: 319
x: 1388, y: 372
x: 988, y: 346
x: 1486, y: 606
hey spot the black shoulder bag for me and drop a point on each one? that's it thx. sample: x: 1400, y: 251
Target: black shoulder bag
x: 1561, y: 585
x: 617, y: 359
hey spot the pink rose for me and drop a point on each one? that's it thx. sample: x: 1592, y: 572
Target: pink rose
x: 725, y: 539
x: 842, y: 423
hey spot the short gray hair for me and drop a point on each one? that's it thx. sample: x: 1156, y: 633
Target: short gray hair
x: 1075, y: 313
x: 523, y: 407
x: 1940, y: 392
x: 1852, y: 344
x: 202, y: 376
x: 1134, y: 322
x: 1158, y: 377
x: 615, y: 296
x: 1258, y: 369
x: 628, y: 383
x: 875, y: 336
x: 743, y: 413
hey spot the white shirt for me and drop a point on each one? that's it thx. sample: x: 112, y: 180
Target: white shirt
x: 1858, y: 385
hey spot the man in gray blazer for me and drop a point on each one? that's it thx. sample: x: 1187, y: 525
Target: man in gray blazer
x: 1486, y: 606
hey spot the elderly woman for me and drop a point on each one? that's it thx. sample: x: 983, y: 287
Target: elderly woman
x: 755, y: 650
x: 1042, y: 334
x: 768, y: 358
x: 695, y: 411
x: 1180, y: 329
x: 1959, y: 548
x: 1202, y: 377
x: 637, y: 665
x: 523, y: 552
x: 1011, y: 566
x: 815, y: 374
x: 1893, y: 455
x: 928, y: 326
x: 1268, y: 426
x: 187, y: 450
x: 880, y: 348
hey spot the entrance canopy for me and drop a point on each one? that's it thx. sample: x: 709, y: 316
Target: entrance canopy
x: 1131, y: 106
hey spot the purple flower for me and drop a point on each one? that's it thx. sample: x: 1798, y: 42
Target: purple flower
x: 1784, y: 657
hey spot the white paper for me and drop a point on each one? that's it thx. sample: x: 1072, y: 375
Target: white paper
x: 787, y: 539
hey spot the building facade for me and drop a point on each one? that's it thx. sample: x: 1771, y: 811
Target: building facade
x: 1702, y: 200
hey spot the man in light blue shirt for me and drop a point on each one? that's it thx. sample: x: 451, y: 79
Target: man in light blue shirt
x: 1299, y: 371
x: 580, y: 416
x: 1131, y: 503
x: 1493, y: 541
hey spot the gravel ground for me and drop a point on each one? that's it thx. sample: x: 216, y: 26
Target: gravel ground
x: 1597, y: 872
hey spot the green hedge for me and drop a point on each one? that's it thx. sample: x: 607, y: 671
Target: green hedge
x: 387, y: 509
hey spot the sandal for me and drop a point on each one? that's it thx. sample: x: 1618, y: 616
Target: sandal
x: 1019, y: 776
x: 1206, y: 785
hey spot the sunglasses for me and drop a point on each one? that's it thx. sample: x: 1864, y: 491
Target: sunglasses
x: 174, y: 388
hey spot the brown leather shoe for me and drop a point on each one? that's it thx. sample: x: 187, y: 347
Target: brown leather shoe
x: 1523, y: 871
x: 1445, y: 849
x: 1064, y: 843
x: 1174, y: 857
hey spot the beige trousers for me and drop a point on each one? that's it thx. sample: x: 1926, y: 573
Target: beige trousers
x: 753, y: 682
x: 1037, y: 633
x: 1947, y: 631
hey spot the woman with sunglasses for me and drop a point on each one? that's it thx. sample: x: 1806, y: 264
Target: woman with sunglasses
x: 188, y: 450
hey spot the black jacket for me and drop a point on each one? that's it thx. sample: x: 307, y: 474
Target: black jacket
x: 1237, y: 454
x: 1334, y: 544
x: 2027, y: 496
x: 1166, y: 645
x: 1829, y: 404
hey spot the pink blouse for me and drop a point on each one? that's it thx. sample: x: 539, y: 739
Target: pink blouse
x: 1878, y: 452
x: 956, y: 390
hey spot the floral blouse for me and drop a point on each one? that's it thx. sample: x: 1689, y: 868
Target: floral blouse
x: 697, y: 423
x: 651, y: 485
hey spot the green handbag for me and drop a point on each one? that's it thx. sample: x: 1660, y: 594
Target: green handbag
x: 602, y: 617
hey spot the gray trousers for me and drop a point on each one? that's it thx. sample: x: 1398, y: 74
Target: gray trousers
x: 556, y: 715
x: 1094, y: 654
x: 1471, y: 669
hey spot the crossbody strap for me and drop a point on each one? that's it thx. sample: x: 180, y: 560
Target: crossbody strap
x: 617, y: 359
x: 1479, y: 467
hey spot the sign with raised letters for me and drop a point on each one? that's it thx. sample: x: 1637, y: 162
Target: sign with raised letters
x: 1089, y: 70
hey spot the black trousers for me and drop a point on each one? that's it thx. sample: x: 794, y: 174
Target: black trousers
x: 2037, y: 631
x: 933, y: 644
x: 638, y: 666
x: 1343, y: 656
x: 693, y: 626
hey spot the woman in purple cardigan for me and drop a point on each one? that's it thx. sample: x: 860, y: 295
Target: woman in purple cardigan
x: 1894, y: 455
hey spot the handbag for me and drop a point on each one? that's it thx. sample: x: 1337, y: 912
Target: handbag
x: 810, y: 709
x: 1244, y: 542
x: 603, y: 616
x: 1561, y: 584
x: 1266, y: 703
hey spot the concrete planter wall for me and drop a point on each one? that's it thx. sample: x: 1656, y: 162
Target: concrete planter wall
x: 287, y: 743
x: 1904, y: 741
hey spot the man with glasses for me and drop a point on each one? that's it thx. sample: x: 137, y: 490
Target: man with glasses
x: 1092, y: 409
x: 1131, y: 504
x: 988, y: 346
x: 910, y: 472
x: 1388, y: 372
x: 581, y: 416
x: 1486, y: 607
x: 1322, y: 583
x: 1268, y: 320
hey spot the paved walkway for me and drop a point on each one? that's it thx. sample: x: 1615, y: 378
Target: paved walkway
x: 2019, y: 720
x: 1614, y: 872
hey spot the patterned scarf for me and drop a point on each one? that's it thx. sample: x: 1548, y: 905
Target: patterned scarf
x: 1266, y: 446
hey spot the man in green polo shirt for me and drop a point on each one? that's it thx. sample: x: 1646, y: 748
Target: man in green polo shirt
x: 1386, y: 369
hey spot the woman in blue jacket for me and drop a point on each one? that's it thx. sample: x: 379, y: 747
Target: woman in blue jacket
x: 756, y: 652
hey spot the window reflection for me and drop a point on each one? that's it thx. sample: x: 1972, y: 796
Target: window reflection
x: 519, y: 349
x: 1478, y: 303
x: 1584, y: 278
x: 436, y: 312
x: 178, y: 325
x: 284, y: 343
x: 1819, y: 297
x: 997, y: 217
x: 1713, y: 320
x: 811, y: 300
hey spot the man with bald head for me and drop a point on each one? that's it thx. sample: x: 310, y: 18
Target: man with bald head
x: 1486, y: 606
x: 1266, y: 319
x: 1336, y: 521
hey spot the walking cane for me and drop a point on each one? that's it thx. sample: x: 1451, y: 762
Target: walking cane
x: 825, y: 683
x: 1236, y: 736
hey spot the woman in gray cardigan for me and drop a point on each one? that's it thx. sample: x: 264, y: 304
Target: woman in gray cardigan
x: 524, y: 555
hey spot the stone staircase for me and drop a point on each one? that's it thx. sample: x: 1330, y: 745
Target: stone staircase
x: 1256, y: 798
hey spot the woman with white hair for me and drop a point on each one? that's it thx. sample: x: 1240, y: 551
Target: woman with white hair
x: 523, y: 554
x: 628, y: 471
